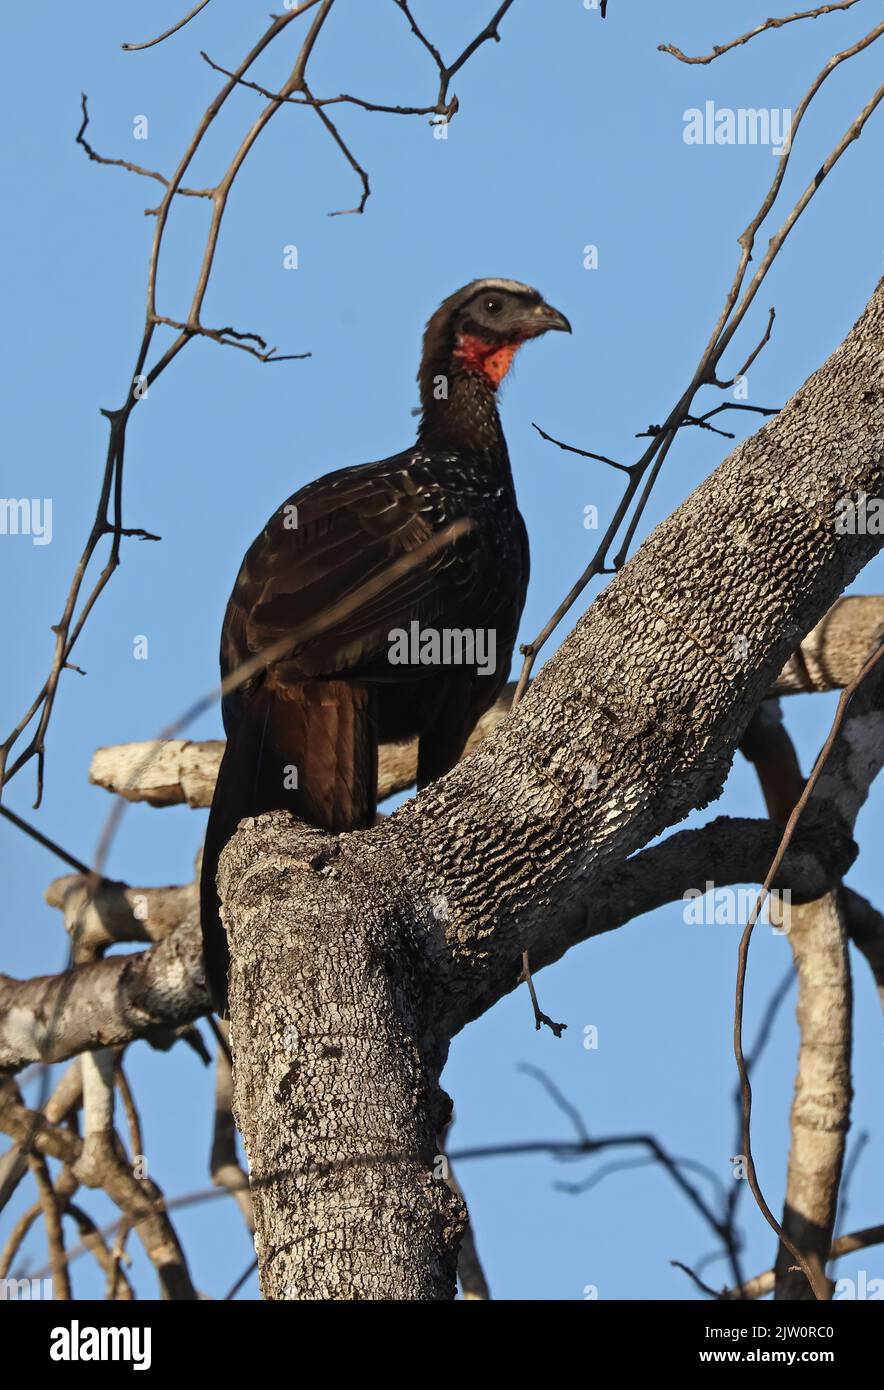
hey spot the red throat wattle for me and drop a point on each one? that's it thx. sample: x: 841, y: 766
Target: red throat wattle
x: 491, y: 359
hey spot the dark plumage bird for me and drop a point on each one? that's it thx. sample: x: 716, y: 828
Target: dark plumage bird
x: 334, y: 598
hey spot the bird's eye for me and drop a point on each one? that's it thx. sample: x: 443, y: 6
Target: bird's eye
x: 493, y: 306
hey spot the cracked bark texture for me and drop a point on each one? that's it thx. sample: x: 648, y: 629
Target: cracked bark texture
x: 105, y: 1003
x: 349, y: 1057
x: 157, y: 993
x: 376, y: 948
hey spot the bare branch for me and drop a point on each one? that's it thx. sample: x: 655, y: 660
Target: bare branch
x: 122, y: 998
x: 169, y: 772
x: 107, y: 1002
x: 229, y: 337
x: 730, y: 319
x: 348, y: 155
x: 52, y: 845
x: 127, y: 164
x: 107, y: 912
x: 584, y: 453
x: 724, y: 385
x: 167, y: 33
x: 702, y: 420
x: 93, y: 1241
x: 844, y: 786
x: 141, y: 1200
x: 763, y: 1284
x: 447, y: 111
x: 110, y: 500
x: 18, y: 1235
x: 719, y: 49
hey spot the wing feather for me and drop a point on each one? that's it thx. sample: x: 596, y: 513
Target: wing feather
x: 352, y: 529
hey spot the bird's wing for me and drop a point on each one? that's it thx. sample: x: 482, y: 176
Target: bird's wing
x: 366, y: 550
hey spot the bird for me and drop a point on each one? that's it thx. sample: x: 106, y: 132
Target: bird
x: 356, y: 610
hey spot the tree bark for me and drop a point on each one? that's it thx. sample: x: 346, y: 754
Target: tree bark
x: 349, y: 1191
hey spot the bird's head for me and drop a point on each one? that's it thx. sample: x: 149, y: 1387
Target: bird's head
x: 480, y: 328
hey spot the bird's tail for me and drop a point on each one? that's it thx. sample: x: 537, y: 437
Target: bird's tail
x: 309, y: 747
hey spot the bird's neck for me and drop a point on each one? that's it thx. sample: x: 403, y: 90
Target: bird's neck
x: 459, y: 411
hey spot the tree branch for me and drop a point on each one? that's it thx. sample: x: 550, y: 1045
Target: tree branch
x: 140, y: 1199
x: 719, y: 49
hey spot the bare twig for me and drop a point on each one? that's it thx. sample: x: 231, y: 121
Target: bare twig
x: 243, y: 1279
x: 865, y: 924
x: 52, y: 1213
x: 126, y: 163
x: 583, y: 453
x: 348, y: 155
x: 695, y: 1279
x: 229, y: 337
x: 52, y: 845
x: 584, y: 1144
x: 17, y: 1236
x: 741, y: 371
x: 167, y: 33
x: 343, y: 97
x: 762, y: 1284
x: 446, y: 73
x: 110, y: 500
x: 108, y: 516
x: 133, y: 1119
x: 141, y: 1200
x: 719, y: 49
x: 702, y: 420
x: 730, y: 319
x: 109, y: 1261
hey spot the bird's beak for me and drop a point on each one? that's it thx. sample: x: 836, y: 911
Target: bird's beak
x: 542, y: 318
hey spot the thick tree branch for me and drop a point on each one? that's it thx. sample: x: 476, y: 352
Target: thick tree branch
x: 106, y: 1003
x: 169, y: 772
x: 123, y: 998
x: 107, y: 912
x: 763, y: 1284
x: 818, y: 940
x: 630, y: 725
x: 820, y: 1117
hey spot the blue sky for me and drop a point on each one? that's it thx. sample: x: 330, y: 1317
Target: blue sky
x: 570, y: 133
